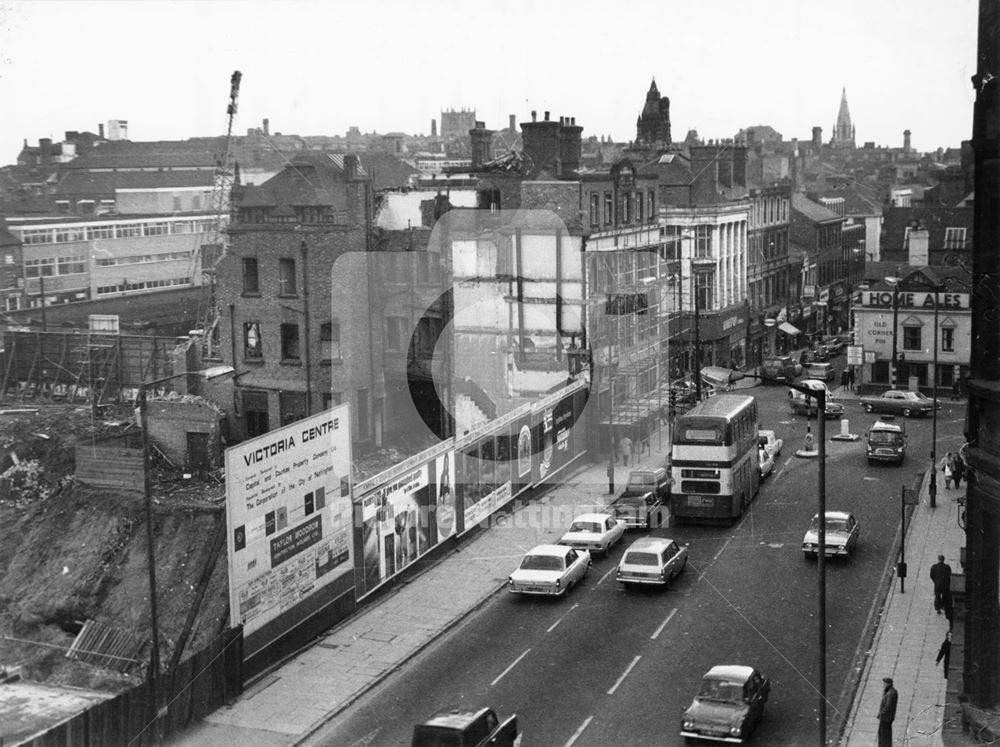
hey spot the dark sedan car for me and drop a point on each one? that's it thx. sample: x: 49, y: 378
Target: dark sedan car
x: 728, y: 706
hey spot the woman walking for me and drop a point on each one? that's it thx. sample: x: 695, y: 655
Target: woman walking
x: 948, y: 467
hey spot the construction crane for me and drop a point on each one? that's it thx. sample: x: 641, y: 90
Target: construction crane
x: 212, y: 252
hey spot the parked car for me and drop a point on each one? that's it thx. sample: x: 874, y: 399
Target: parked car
x: 821, y: 371
x: 549, y: 569
x: 640, y: 510
x: 780, y: 367
x: 841, y: 540
x: 729, y: 705
x: 802, y: 405
x: 886, y: 441
x: 769, y: 441
x: 765, y: 462
x: 835, y: 344
x: 652, y: 560
x: 900, y: 402
x: 464, y: 727
x: 657, y: 480
x: 595, y: 533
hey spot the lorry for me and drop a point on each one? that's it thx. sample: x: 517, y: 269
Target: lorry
x: 886, y: 441
x: 466, y: 727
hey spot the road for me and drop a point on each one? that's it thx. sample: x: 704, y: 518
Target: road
x: 606, y: 666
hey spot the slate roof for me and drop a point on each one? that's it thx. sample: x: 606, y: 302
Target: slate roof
x: 812, y: 210
x: 934, y: 219
x: 387, y: 171
x: 310, y: 179
x: 77, y: 182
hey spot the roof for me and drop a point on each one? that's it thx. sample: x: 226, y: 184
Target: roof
x: 309, y: 179
x: 387, y: 171
x: 454, y: 718
x: 935, y: 219
x: 554, y: 550
x: 734, y: 672
x: 106, y: 182
x: 887, y: 425
x: 836, y: 515
x: 598, y: 517
x: 812, y: 210
x: 720, y: 404
x: 950, y: 278
x: 649, y: 543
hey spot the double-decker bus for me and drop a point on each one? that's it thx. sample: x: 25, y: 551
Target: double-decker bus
x: 714, y: 461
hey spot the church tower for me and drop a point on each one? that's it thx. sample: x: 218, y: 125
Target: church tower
x: 652, y: 128
x: 843, y: 131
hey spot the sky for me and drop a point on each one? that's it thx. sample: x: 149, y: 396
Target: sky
x: 317, y: 68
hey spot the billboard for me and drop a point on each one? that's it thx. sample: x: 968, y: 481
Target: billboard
x: 405, y: 515
x: 289, y: 514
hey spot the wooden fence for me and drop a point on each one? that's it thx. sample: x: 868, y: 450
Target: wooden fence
x: 201, y: 684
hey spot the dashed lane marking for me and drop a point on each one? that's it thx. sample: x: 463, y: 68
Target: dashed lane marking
x: 624, y: 675
x: 579, y: 731
x: 663, y: 625
x: 514, y: 664
x: 607, y: 574
x: 553, y: 625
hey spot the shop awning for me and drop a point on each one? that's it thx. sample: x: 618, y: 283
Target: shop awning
x: 789, y: 329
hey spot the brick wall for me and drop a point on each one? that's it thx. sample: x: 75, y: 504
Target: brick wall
x: 171, y: 420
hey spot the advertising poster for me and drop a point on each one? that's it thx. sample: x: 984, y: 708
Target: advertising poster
x: 288, y: 508
x: 404, y: 519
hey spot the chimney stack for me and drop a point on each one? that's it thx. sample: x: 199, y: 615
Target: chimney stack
x: 482, y: 140
x: 267, y: 126
x: 570, y: 145
x: 906, y: 141
x: 100, y: 131
x: 512, y: 122
x: 350, y: 166
x: 817, y: 140
x: 434, y: 128
x: 541, y: 145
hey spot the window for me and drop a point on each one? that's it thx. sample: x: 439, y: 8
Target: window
x: 638, y: 208
x: 911, y: 338
x: 609, y: 209
x: 45, y: 267
x: 595, y: 209
x: 703, y: 241
x: 329, y: 342
x: 954, y: 239
x: 395, y: 332
x: 947, y: 339
x: 286, y: 277
x: 100, y: 232
x: 251, y: 282
x: 289, y: 342
x: 626, y: 208
x: 251, y: 341
x: 651, y: 205
x: 292, y: 406
x: 177, y: 203
x: 332, y: 399
x: 71, y: 265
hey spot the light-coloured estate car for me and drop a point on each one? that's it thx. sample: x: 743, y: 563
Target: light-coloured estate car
x: 842, y: 531
x: 728, y: 706
x: 549, y: 569
x: 652, y: 560
x: 595, y: 533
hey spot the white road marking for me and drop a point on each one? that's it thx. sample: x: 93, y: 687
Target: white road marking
x: 624, y: 675
x: 663, y: 625
x: 553, y: 625
x: 514, y: 664
x: 608, y: 574
x: 870, y: 479
x: 578, y: 732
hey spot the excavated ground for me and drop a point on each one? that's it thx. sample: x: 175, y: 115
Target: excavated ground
x: 81, y: 553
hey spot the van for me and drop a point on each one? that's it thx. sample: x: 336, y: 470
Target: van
x: 886, y: 441
x: 780, y: 367
x: 821, y: 371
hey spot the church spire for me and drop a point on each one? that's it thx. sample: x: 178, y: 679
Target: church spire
x: 843, y: 130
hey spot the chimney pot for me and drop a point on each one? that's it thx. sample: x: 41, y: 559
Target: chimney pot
x: 546, y: 116
x: 512, y: 122
x: 534, y: 116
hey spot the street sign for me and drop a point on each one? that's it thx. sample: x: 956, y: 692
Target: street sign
x: 870, y: 356
x: 854, y: 355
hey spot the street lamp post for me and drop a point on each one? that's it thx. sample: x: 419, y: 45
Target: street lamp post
x: 820, y: 396
x: 934, y: 395
x: 141, y: 398
x: 895, y: 333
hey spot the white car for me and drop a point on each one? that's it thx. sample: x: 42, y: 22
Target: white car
x: 595, y: 533
x: 549, y: 569
x: 769, y: 441
x: 841, y: 539
x: 652, y: 560
x: 765, y: 462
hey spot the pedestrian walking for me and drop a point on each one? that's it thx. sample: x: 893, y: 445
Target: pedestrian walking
x: 887, y: 713
x: 947, y: 466
x: 844, y: 378
x: 958, y: 469
x: 625, y: 449
x: 944, y: 653
x: 956, y: 389
x: 941, y: 578
x: 850, y: 378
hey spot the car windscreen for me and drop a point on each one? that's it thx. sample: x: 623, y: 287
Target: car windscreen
x: 641, y: 558
x: 585, y: 526
x: 730, y: 692
x: 884, y: 437
x: 428, y: 736
x: 640, y: 479
x: 541, y: 563
x: 832, y: 525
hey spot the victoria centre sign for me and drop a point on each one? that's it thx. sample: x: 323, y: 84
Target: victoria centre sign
x: 289, y: 514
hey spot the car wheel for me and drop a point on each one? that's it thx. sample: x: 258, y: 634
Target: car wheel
x: 869, y: 408
x: 907, y: 412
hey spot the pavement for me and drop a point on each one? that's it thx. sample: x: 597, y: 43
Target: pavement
x: 286, y: 705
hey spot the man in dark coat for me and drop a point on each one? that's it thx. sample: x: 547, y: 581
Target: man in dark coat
x: 887, y: 713
x: 941, y: 577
